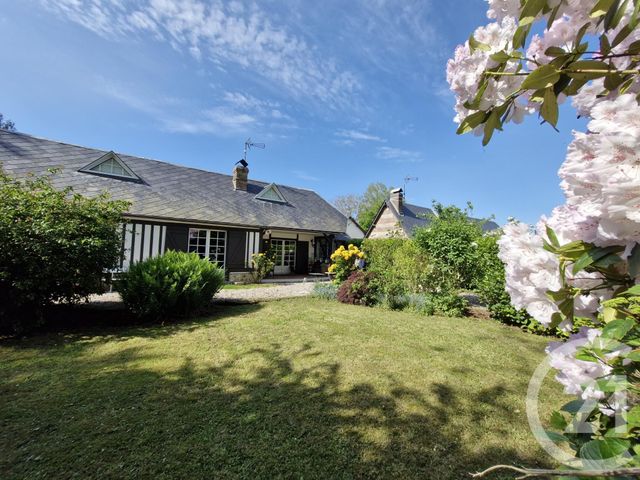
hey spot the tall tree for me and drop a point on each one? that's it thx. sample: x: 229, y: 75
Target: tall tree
x: 7, y: 124
x: 348, y: 205
x: 372, y: 199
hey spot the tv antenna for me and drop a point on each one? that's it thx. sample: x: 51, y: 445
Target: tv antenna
x: 248, y: 145
x: 408, y: 179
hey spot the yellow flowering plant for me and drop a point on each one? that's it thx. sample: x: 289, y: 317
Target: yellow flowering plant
x: 345, y: 262
x: 263, y: 263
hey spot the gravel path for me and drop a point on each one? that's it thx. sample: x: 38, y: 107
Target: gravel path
x: 244, y: 295
x: 265, y: 293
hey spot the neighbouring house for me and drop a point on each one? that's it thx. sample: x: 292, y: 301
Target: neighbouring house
x: 396, y: 218
x: 225, y: 218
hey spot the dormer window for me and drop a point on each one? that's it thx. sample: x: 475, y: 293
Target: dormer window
x: 111, y: 165
x: 271, y: 193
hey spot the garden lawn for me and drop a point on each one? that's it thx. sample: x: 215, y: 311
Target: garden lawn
x: 298, y: 388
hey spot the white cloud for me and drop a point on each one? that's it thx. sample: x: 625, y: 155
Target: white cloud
x: 305, y: 176
x: 351, y: 135
x: 399, y: 155
x: 233, y: 113
x: 234, y: 34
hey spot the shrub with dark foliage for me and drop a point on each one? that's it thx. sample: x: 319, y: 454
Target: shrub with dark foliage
x: 173, y: 284
x: 55, y: 246
x: 359, y: 289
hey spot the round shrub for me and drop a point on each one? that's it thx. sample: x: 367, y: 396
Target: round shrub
x: 173, y: 284
x: 344, y: 262
x: 359, y: 289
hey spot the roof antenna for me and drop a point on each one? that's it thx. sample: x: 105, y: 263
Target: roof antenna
x: 406, y: 180
x: 248, y: 145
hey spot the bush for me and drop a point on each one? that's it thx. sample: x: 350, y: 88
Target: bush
x: 449, y: 304
x: 325, y: 290
x: 55, y: 246
x: 263, y: 263
x: 344, y: 262
x: 359, y: 289
x: 451, y: 239
x: 173, y: 284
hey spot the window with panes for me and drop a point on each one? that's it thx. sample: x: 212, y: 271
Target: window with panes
x: 210, y: 244
x: 285, y: 252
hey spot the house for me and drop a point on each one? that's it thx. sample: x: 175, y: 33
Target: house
x: 225, y: 218
x: 398, y: 218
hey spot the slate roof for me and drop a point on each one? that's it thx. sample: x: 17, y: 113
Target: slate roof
x: 416, y: 216
x: 170, y: 191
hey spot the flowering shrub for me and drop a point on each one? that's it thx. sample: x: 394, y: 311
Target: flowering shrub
x: 263, y: 264
x: 344, y: 262
x: 359, y: 289
x: 581, y: 264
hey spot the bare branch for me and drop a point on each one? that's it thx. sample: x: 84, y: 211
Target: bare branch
x: 542, y: 473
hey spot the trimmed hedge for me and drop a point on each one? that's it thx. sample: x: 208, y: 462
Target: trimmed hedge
x: 173, y: 284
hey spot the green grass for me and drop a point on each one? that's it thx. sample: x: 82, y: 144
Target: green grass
x: 297, y: 388
x: 231, y: 286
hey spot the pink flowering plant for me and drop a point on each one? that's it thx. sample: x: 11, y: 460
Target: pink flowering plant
x: 583, y: 261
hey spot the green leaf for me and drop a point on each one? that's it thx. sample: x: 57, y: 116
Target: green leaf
x: 634, y: 356
x: 500, y: 57
x: 476, y: 45
x: 634, y: 262
x: 601, y: 8
x: 551, y: 235
x: 573, y: 406
x: 558, y: 421
x: 530, y: 11
x: 549, y: 108
x: 593, y: 255
x: 542, y: 77
x: 520, y: 36
x: 552, y: 17
x: 622, y: 34
x: 612, y: 21
x: 587, y: 69
x: 492, y: 123
x: 633, y: 416
x: 605, y: 46
x: 471, y: 122
x: 594, y: 451
x: 631, y: 292
x: 617, y: 329
x: 556, y: 437
x: 554, y: 51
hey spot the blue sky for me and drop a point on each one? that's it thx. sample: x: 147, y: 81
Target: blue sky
x: 343, y: 93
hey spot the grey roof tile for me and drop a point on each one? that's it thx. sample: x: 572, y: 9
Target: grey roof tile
x: 170, y: 191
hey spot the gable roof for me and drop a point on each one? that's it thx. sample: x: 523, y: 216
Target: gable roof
x: 414, y: 216
x: 168, y: 191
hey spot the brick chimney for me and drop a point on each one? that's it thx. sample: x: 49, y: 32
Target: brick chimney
x: 396, y: 198
x: 240, y: 177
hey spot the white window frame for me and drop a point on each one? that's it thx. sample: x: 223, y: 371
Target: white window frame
x: 281, y: 243
x: 207, y: 248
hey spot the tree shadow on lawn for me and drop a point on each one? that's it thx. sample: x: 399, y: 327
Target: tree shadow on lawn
x: 84, y: 322
x: 262, y: 414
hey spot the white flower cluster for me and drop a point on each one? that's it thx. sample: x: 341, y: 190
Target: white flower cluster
x: 465, y: 70
x: 580, y: 377
x: 601, y: 174
x: 600, y: 178
x: 530, y: 271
